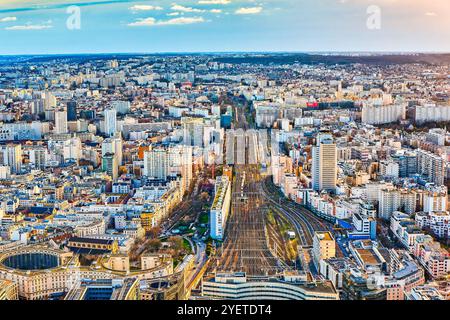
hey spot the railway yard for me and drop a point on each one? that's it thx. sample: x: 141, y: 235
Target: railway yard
x: 252, y: 244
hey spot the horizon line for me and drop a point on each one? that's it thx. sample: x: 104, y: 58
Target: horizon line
x: 319, y: 52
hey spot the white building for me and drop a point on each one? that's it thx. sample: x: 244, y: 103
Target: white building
x: 381, y: 114
x: 113, y: 146
x: 22, y: 131
x: 284, y: 287
x: 389, y: 169
x: 220, y: 208
x: 193, y: 131
x: 122, y: 107
x: 435, y: 200
x: 392, y: 199
x: 11, y: 155
x: 431, y: 166
x: 110, y: 121
x: 72, y: 149
x: 5, y: 173
x: 156, y: 164
x: 437, y: 222
x: 324, y: 167
x: 38, y: 157
x: 61, y: 122
x: 432, y: 113
x: 181, y: 163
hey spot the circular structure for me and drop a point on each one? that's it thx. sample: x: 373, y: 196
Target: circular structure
x: 31, y: 261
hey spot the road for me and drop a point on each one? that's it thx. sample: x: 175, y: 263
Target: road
x: 194, y: 276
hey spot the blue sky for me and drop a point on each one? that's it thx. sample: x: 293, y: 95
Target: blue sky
x: 39, y: 26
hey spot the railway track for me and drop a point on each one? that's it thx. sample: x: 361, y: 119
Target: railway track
x: 245, y: 246
x: 299, y: 215
x: 305, y: 222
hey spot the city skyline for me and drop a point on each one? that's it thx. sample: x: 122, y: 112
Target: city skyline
x: 125, y: 26
x: 203, y: 151
x: 211, y: 171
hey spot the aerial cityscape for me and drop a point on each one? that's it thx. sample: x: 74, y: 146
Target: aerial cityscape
x: 130, y: 173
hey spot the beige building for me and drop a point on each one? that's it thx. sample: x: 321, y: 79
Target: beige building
x: 44, y: 272
x: 151, y: 261
x: 118, y: 262
x: 324, y: 246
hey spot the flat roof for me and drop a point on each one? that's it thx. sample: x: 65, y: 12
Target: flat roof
x: 368, y: 256
x: 91, y: 240
x: 324, y: 235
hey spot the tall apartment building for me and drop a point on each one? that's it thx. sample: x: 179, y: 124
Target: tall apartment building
x: 407, y: 163
x: 38, y: 157
x: 181, y: 162
x: 11, y: 155
x: 324, y: 247
x: 436, y: 136
x: 49, y: 100
x: 431, y: 166
x: 72, y: 150
x: 391, y: 200
x: 220, y: 208
x: 435, y: 200
x: 437, y: 222
x: 109, y: 165
x: 110, y: 122
x: 193, y: 131
x: 389, y: 169
x: 432, y: 113
x: 114, y: 146
x: 61, y: 122
x: 122, y: 107
x: 324, y: 166
x: 72, y: 111
x: 156, y: 164
x: 381, y: 114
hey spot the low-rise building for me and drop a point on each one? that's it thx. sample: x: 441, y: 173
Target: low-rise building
x: 237, y: 286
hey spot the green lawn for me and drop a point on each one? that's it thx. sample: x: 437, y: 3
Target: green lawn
x: 204, y: 218
x: 187, y: 246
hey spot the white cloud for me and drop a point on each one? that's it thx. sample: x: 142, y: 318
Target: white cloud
x: 149, y: 22
x: 252, y: 10
x: 142, y: 7
x: 177, y: 7
x: 30, y: 27
x: 431, y: 14
x: 215, y: 11
x: 183, y: 20
x: 214, y: 1
x: 8, y: 19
